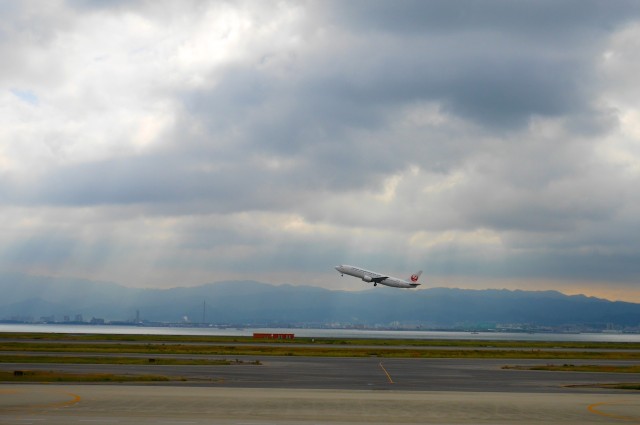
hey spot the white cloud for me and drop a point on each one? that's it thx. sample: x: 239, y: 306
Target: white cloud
x: 619, y: 68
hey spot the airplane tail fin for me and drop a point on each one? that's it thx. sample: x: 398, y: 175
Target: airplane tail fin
x: 414, y: 278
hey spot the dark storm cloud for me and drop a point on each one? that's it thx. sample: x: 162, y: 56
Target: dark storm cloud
x: 157, y: 180
x: 543, y: 19
x: 308, y: 123
x: 495, y: 62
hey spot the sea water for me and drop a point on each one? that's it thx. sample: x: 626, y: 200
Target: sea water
x: 320, y: 333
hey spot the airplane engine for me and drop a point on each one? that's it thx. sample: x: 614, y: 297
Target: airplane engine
x: 367, y: 278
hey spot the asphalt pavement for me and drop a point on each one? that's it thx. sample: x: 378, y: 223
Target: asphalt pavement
x: 372, y: 373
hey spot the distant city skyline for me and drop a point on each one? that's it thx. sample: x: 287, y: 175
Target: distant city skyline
x: 491, y: 144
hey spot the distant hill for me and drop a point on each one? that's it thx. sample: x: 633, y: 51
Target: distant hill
x: 254, y: 303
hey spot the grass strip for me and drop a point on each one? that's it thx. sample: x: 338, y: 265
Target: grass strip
x: 121, y: 360
x: 142, y: 344
x: 580, y: 368
x: 190, y: 339
x: 623, y: 386
x: 613, y: 386
x: 324, y: 351
x: 48, y: 376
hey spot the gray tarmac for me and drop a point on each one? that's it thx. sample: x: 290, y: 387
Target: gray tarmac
x: 303, y: 390
x: 128, y: 404
x: 373, y: 373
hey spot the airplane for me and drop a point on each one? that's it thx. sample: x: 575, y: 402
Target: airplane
x: 369, y: 276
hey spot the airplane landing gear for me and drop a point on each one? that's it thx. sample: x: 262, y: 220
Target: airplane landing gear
x: 375, y: 284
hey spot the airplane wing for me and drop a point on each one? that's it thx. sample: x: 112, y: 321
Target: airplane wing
x: 379, y: 279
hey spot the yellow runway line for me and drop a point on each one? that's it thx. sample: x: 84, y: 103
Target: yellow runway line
x: 386, y: 373
x: 594, y: 408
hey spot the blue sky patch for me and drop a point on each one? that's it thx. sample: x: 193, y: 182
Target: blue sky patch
x: 26, y: 96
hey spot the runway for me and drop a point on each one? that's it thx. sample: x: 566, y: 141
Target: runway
x: 303, y: 390
x: 373, y: 373
x: 107, y: 404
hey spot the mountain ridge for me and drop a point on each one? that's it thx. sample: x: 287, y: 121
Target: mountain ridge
x: 256, y: 303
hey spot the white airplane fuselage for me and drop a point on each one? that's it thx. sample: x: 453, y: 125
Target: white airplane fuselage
x: 369, y: 276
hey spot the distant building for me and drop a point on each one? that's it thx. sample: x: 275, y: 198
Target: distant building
x: 79, y: 318
x: 21, y: 319
x: 96, y: 321
x: 272, y: 336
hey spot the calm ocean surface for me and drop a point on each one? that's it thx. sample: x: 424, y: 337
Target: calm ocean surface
x: 321, y: 333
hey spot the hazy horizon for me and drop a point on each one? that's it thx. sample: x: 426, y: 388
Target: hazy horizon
x: 357, y: 286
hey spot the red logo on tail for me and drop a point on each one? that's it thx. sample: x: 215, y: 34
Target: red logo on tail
x: 414, y: 278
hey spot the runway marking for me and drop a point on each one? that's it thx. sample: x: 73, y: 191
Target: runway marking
x: 75, y: 398
x: 175, y: 421
x: 593, y: 408
x: 387, y: 373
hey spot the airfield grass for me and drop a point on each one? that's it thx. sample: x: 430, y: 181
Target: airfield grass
x: 580, y: 368
x: 283, y: 350
x: 622, y: 386
x: 588, y: 368
x: 167, y: 345
x: 347, y: 342
x: 49, y: 376
x: 613, y: 386
x: 162, y: 361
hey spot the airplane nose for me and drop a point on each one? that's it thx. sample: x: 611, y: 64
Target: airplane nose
x: 337, y: 268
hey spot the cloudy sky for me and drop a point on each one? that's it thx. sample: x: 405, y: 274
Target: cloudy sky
x: 492, y: 144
